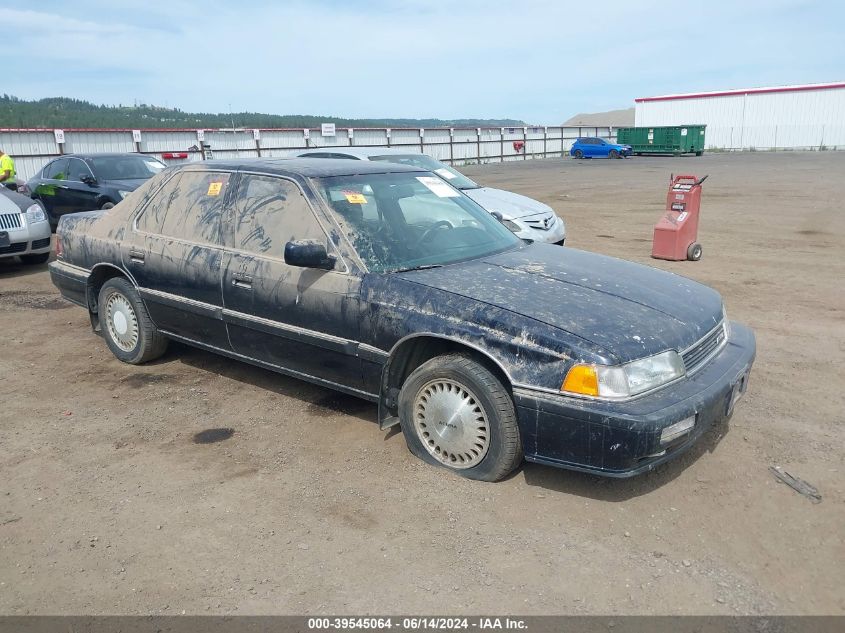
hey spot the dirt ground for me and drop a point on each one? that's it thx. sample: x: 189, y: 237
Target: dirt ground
x: 108, y: 506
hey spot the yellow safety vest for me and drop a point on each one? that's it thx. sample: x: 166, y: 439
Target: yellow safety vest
x: 6, y: 163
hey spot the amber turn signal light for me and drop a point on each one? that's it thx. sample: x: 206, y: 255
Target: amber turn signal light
x: 582, y: 379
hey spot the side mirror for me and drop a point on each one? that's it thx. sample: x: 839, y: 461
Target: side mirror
x: 498, y: 215
x: 89, y: 180
x: 308, y: 254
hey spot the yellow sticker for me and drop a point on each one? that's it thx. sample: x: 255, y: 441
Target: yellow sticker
x: 354, y: 197
x: 214, y: 188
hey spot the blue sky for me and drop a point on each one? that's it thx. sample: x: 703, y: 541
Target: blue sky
x: 537, y: 60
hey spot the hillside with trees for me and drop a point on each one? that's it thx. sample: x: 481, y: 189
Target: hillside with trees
x: 61, y: 112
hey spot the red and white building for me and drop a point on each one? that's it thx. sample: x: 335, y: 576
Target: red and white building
x: 810, y: 116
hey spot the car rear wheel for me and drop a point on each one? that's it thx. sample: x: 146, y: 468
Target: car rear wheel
x: 35, y: 259
x: 126, y: 324
x: 579, y: 153
x: 613, y: 154
x: 455, y: 413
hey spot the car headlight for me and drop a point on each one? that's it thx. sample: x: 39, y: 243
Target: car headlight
x: 624, y: 381
x: 123, y: 194
x: 35, y: 214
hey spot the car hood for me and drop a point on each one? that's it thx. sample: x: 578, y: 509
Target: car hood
x: 628, y: 309
x: 506, y: 202
x: 128, y: 184
x: 12, y: 202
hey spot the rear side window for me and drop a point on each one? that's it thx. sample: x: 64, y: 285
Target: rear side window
x: 189, y: 207
x: 57, y: 170
x: 271, y: 212
x: 195, y: 212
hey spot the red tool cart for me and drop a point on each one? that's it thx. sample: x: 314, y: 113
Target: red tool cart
x: 676, y: 234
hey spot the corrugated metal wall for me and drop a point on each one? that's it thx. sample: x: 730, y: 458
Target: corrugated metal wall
x: 32, y: 149
x: 805, y: 119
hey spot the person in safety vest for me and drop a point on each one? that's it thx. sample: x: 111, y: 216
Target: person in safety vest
x: 7, y: 171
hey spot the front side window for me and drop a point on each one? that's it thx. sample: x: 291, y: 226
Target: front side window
x: 407, y: 220
x: 77, y: 170
x: 269, y: 213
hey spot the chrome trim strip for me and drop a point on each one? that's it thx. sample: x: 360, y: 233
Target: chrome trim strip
x: 709, y: 332
x: 191, y: 305
x: 71, y: 268
x: 277, y: 368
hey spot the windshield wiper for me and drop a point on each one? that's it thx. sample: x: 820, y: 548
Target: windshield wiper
x: 421, y: 267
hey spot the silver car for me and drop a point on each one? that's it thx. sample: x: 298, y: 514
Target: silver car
x: 527, y: 218
x: 24, y: 230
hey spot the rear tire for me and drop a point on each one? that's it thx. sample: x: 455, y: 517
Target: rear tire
x: 579, y: 153
x: 126, y: 324
x: 694, y: 252
x: 456, y: 414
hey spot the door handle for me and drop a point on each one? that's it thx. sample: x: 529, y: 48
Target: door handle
x: 136, y: 256
x: 242, y: 281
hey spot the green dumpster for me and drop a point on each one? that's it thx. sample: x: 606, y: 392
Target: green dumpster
x: 676, y: 139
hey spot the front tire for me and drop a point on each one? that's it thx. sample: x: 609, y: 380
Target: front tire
x: 108, y: 204
x: 613, y: 154
x: 126, y: 324
x: 457, y: 414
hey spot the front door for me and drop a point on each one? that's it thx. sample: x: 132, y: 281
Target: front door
x: 303, y: 320
x: 176, y: 253
x: 79, y: 196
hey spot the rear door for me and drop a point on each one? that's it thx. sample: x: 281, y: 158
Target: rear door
x: 53, y: 179
x: 176, y: 255
x: 301, y: 319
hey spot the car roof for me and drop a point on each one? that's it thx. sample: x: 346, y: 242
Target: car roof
x: 104, y: 155
x: 307, y: 167
x: 362, y: 152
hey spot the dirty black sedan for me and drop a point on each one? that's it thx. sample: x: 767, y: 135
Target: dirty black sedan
x: 383, y: 281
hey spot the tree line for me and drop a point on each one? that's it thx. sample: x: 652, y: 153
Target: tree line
x: 62, y: 112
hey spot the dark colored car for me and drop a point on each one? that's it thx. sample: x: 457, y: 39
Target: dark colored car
x: 385, y: 282
x: 82, y: 182
x: 593, y: 147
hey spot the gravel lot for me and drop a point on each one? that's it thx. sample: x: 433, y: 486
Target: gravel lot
x: 108, y: 506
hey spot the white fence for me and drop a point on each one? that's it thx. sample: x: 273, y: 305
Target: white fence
x: 32, y: 149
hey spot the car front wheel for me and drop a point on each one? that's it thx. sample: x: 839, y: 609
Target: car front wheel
x: 126, y: 325
x: 613, y: 154
x: 456, y: 413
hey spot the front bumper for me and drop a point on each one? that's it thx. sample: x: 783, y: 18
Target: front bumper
x: 622, y: 439
x: 29, y: 239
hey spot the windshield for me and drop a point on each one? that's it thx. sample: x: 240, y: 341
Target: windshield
x: 450, y: 175
x: 125, y: 167
x: 409, y: 220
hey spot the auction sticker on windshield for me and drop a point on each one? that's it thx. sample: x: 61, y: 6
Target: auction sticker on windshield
x: 354, y: 197
x: 448, y: 175
x: 438, y: 187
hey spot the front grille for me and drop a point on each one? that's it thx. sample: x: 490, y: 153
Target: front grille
x: 542, y: 222
x: 10, y: 221
x: 41, y: 243
x: 695, y: 356
x: 17, y: 247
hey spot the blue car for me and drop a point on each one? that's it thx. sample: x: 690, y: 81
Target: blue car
x: 598, y: 148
